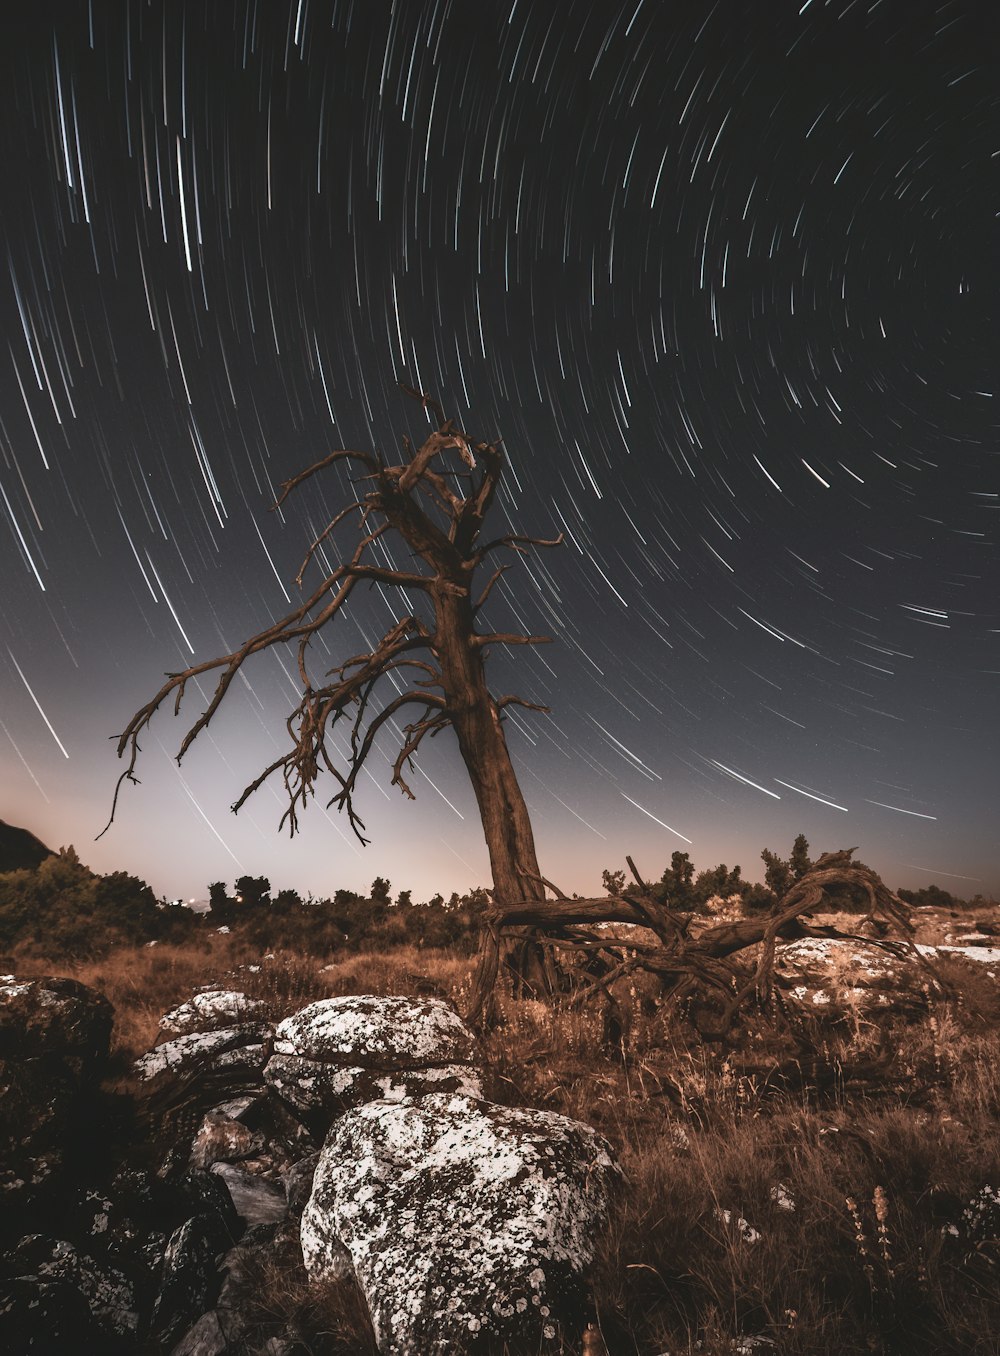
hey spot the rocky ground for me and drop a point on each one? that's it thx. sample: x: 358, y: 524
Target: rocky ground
x: 291, y: 1169
x: 354, y: 1134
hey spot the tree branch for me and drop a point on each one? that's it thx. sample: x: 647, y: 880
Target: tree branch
x: 330, y: 527
x: 406, y: 753
x: 287, y: 486
x: 501, y: 702
x: 510, y: 638
x: 496, y: 575
x: 517, y: 542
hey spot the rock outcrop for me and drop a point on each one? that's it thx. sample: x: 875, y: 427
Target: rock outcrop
x: 137, y: 1265
x: 197, y: 1071
x: 343, y: 1052
x: 456, y: 1221
x: 463, y: 1221
x: 833, y: 979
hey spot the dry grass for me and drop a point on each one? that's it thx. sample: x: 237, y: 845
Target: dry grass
x: 823, y: 1224
x: 704, y: 1247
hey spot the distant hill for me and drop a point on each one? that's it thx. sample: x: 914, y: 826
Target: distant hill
x: 20, y: 850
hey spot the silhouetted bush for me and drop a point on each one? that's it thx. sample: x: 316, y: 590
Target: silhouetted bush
x: 68, y: 910
x: 351, y: 923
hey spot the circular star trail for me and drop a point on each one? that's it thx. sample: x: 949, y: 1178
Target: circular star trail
x: 724, y: 279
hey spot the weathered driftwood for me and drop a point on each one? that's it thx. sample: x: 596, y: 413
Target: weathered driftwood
x: 687, y: 963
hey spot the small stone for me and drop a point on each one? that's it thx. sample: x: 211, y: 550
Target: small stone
x: 222, y: 1140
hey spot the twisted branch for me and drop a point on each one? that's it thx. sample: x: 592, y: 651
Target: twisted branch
x: 447, y: 559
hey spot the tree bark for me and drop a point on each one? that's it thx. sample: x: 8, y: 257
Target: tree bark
x: 506, y: 823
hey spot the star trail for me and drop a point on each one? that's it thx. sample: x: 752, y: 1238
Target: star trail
x: 723, y: 277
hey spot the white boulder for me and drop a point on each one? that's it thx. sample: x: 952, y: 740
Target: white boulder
x: 462, y: 1220
x: 343, y: 1052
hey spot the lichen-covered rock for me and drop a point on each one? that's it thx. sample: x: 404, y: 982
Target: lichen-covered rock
x: 832, y: 979
x: 42, y: 1316
x: 256, y: 1200
x: 203, y: 1193
x: 190, y: 1280
x: 298, y: 1181
x: 378, y: 1031
x: 984, y: 954
x: 222, y: 1139
x: 185, y: 1055
x: 463, y: 1221
x: 123, y: 1231
x: 192, y: 1073
x: 37, y: 1101
x: 110, y: 1299
x: 127, y: 1228
x: 206, y: 1338
x: 311, y: 1086
x: 211, y: 1009
x: 343, y: 1052
x: 53, y: 1017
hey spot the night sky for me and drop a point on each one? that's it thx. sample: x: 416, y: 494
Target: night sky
x: 723, y: 277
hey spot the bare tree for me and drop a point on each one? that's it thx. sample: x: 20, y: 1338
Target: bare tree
x: 435, y: 505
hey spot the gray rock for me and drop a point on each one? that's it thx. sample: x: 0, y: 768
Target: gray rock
x: 203, y: 1193
x: 185, y: 1055
x: 206, y: 1338
x: 44, y: 1316
x: 378, y: 1031
x: 108, y: 1295
x: 257, y: 1200
x: 54, y: 1037
x: 190, y: 1279
x: 298, y: 1181
x: 462, y: 1220
x: 192, y: 1073
x: 831, y: 979
x: 38, y: 1099
x: 343, y: 1052
x: 238, y: 1107
x: 53, y: 1017
x: 311, y: 1085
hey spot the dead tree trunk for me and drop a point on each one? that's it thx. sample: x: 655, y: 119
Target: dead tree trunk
x: 476, y: 718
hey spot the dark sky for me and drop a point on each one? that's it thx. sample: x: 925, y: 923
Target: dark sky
x: 724, y: 278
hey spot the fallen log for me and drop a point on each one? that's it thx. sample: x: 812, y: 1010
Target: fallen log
x: 689, y: 963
